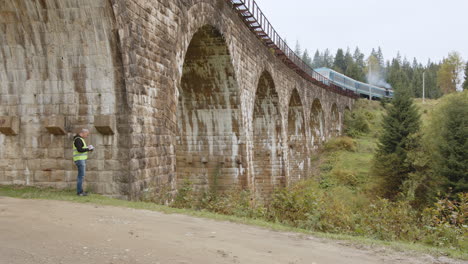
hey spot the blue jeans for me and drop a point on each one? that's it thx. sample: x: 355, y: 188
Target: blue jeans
x: 81, y: 165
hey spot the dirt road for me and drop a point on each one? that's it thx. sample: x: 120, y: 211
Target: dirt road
x: 41, y: 231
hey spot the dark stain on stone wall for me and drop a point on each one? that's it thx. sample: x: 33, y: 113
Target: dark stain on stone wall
x: 268, y: 156
x: 297, y: 143
x: 207, y: 145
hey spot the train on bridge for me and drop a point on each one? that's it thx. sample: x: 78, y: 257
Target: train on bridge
x: 362, y: 89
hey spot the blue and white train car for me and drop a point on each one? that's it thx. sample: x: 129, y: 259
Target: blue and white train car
x: 363, y: 89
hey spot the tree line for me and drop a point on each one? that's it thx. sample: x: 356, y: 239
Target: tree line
x: 402, y: 75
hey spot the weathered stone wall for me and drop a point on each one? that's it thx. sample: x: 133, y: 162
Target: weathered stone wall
x: 297, y: 140
x: 208, y: 115
x: 268, y: 156
x: 194, y: 95
x: 60, y: 67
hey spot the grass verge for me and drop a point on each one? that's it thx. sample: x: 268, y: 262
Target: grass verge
x: 69, y: 195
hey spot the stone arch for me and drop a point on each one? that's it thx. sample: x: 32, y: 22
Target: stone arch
x: 197, y: 15
x: 296, y: 138
x: 335, y: 124
x: 317, y: 123
x: 267, y: 141
x: 208, y: 115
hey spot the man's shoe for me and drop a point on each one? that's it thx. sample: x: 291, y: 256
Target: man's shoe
x: 83, y: 194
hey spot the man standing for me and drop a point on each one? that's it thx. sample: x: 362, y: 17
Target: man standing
x: 80, y: 155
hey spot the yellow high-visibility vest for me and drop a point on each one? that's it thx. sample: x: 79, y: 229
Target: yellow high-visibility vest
x: 79, y: 155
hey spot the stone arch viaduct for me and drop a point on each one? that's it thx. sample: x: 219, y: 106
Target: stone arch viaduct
x: 171, y: 90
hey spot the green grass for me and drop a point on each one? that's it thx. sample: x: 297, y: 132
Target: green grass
x: 357, y: 163
x: 347, y: 175
x: 69, y: 195
x: 426, y: 108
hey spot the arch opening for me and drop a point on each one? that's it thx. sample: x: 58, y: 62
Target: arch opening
x: 317, y: 123
x: 208, y: 115
x: 268, y: 154
x: 296, y: 138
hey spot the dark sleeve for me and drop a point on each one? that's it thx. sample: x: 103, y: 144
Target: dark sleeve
x: 79, y: 146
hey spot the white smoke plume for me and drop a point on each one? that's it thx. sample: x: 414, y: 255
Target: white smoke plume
x: 375, y: 77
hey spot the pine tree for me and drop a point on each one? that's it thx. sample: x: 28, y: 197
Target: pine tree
x: 393, y: 69
x: 306, y: 58
x: 400, y: 127
x: 352, y: 69
x: 380, y: 57
x: 348, y: 58
x: 358, y: 58
x: 417, y: 82
x: 327, y: 59
x: 339, y: 64
x: 406, y: 67
x: 450, y: 134
x: 360, y: 65
x: 317, y: 61
x: 432, y: 90
x: 400, y: 76
x: 465, y: 83
x: 297, y: 49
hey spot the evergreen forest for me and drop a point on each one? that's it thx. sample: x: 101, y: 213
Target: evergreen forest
x: 399, y: 73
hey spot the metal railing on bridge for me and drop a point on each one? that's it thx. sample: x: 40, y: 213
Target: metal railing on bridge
x: 254, y: 18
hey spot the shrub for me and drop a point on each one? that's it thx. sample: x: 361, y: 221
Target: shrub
x: 232, y: 202
x: 448, y: 132
x: 341, y: 143
x: 292, y: 205
x: 388, y: 220
x: 356, y: 123
x: 385, y: 101
x: 446, y: 222
x: 341, y: 210
x: 344, y: 177
x: 336, y: 216
x: 185, y: 196
x: 362, y: 119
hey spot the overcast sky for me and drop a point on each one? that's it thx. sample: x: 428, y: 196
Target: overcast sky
x: 427, y: 29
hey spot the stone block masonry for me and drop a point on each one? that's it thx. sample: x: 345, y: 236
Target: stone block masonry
x: 60, y: 65
x: 105, y: 124
x: 55, y: 125
x: 171, y: 90
x: 9, y: 125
